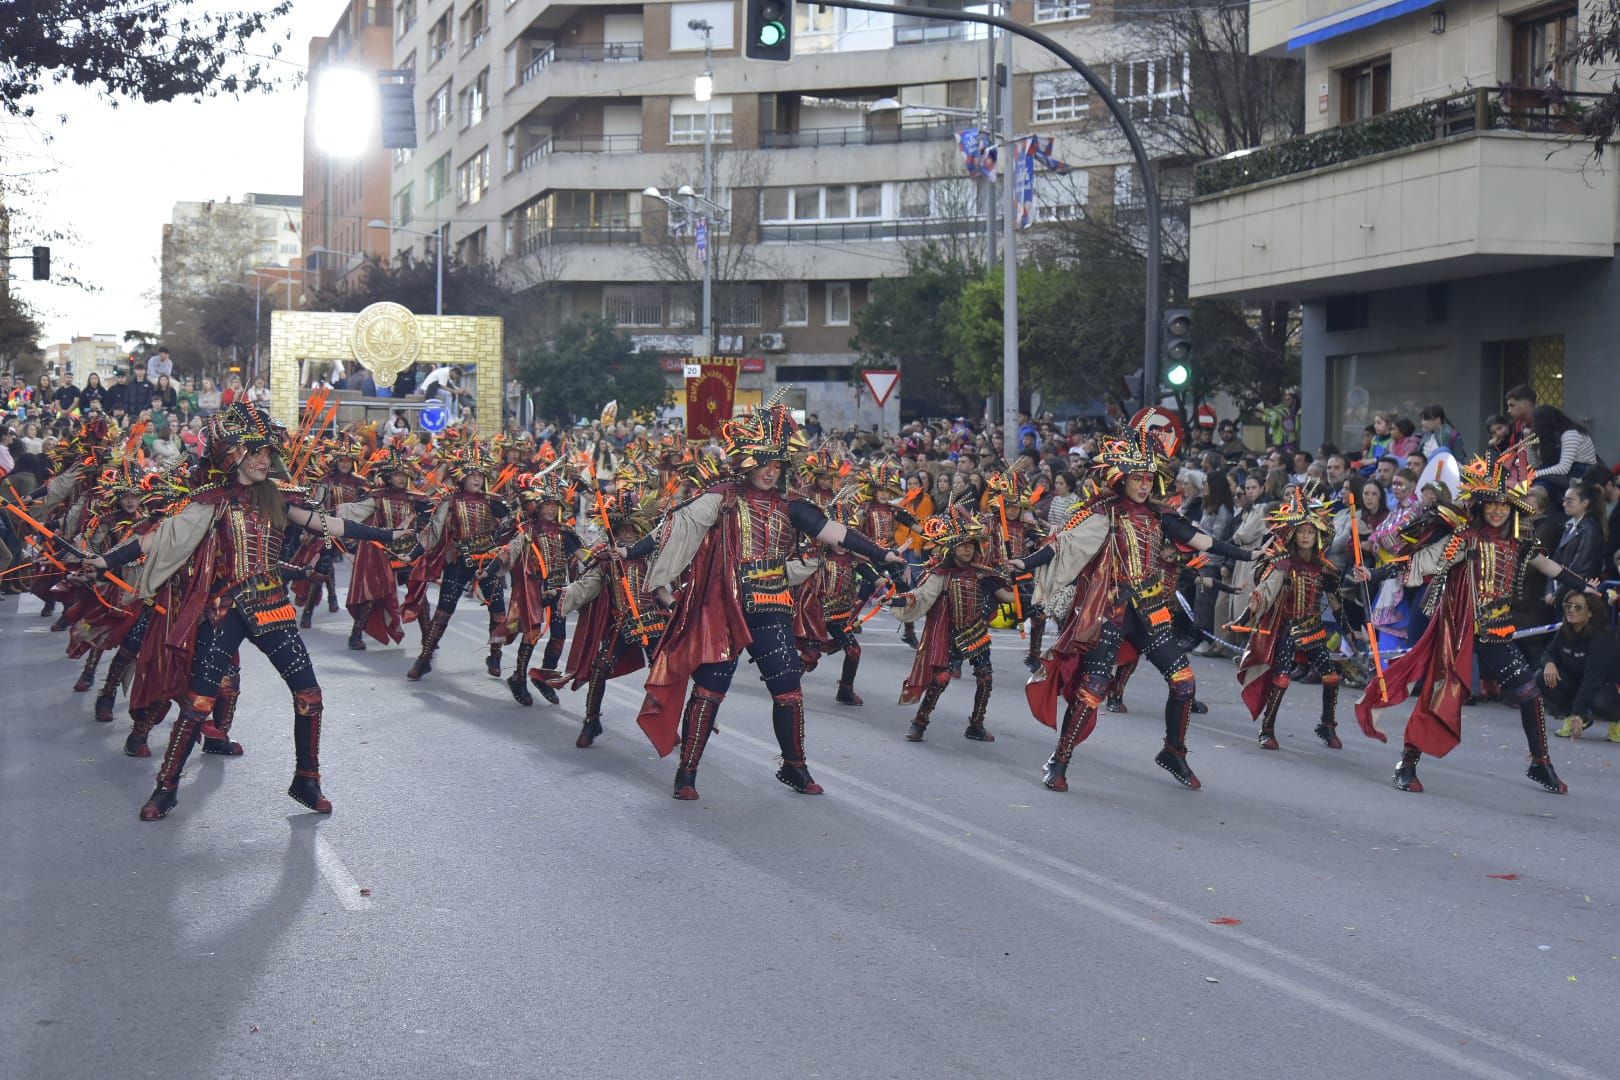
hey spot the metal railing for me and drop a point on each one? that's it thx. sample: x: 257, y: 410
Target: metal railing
x: 611, y: 52
x: 856, y: 136
x: 1533, y: 110
x: 594, y: 234
x: 928, y: 34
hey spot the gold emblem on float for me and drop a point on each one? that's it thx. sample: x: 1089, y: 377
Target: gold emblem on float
x: 386, y: 341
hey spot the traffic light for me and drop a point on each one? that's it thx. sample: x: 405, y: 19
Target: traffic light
x: 769, y: 30
x: 42, y: 263
x: 1134, y: 398
x: 1176, y: 348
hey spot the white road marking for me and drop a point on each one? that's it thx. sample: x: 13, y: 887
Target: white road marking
x: 1047, y: 872
x: 338, y: 877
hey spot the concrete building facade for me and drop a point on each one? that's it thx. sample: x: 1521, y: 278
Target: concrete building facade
x: 540, y: 124
x: 1446, y: 236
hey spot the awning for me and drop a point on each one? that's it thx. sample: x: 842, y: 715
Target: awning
x: 1351, y: 19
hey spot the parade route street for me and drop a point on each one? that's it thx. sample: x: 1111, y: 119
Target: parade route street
x: 488, y: 900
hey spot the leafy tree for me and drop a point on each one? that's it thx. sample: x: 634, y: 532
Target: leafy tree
x: 143, y: 50
x: 907, y: 322
x: 588, y: 364
x: 1597, y: 46
x: 20, y: 353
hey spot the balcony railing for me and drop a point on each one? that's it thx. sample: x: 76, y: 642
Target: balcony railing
x: 1535, y: 110
x: 856, y: 136
x: 590, y: 144
x: 612, y: 52
x: 927, y: 35
x: 593, y: 234
x: 807, y: 232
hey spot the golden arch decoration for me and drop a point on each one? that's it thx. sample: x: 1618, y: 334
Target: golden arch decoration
x: 386, y: 339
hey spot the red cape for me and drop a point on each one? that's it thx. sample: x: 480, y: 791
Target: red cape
x: 1442, y: 662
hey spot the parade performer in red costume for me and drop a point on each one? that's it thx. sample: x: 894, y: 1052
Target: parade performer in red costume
x: 1112, y: 554
x: 1285, y: 617
x: 737, y: 538
x: 229, y: 536
x: 1474, y: 577
x: 541, y: 557
x: 953, y: 593
x: 380, y: 569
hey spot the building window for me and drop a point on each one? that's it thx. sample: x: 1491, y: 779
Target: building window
x: 475, y: 99
x: 1364, y: 90
x: 474, y: 25
x: 1540, y: 44
x: 795, y: 303
x: 472, y: 178
x: 405, y: 18
x: 837, y: 303
x: 438, y: 39
x: 835, y: 202
x: 403, y: 210
x: 634, y: 305
x: 403, y: 155
x: 1061, y: 198
x: 1124, y: 185
x: 1156, y: 87
x: 1061, y: 95
x: 510, y: 159
x: 1061, y: 10
x: 737, y: 305
x: 439, y: 109
x: 688, y: 120
x: 437, y: 180
x: 1534, y: 362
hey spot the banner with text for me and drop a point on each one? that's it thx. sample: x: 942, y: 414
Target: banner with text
x: 709, y: 397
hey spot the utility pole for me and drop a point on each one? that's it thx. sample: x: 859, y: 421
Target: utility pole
x: 1009, y: 262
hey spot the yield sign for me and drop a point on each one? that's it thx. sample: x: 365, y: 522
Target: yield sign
x: 882, y: 384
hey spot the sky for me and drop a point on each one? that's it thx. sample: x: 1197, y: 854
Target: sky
x: 113, y: 175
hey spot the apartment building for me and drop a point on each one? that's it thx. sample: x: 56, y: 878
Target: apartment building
x: 541, y: 124
x: 343, y: 194
x: 1447, y: 237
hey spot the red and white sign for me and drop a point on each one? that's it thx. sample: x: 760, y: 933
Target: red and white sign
x: 882, y: 384
x: 1165, y: 424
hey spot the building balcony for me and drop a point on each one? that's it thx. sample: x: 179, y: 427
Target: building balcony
x: 612, y: 53
x: 564, y: 235
x: 590, y: 144
x: 870, y: 135
x: 1479, y: 183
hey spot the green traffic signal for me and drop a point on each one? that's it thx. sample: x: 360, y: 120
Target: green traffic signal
x: 771, y: 34
x: 1178, y: 375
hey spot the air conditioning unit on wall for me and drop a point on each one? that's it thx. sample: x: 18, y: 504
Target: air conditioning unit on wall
x: 772, y: 343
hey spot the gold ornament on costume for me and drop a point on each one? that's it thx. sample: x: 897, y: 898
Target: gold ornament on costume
x: 386, y: 341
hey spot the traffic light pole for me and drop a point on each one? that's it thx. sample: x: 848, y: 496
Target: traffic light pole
x: 1150, y: 186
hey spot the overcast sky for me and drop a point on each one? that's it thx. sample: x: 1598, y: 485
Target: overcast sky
x: 119, y: 172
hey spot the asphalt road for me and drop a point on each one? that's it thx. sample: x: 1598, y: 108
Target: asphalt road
x: 536, y: 910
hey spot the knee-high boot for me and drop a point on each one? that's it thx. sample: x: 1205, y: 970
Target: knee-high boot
x: 594, y: 693
x: 143, y: 721
x: 306, y: 784
x: 430, y: 642
x: 310, y: 602
x: 1328, y: 729
x: 696, y: 724
x: 1115, y: 698
x: 545, y: 677
x: 331, y: 588
x: 87, y: 677
x: 846, y: 679
x: 1037, y: 630
x: 1406, y: 777
x: 787, y: 717
x: 194, y: 709
x: 925, y: 708
x: 1533, y: 715
x: 1177, y: 714
x: 357, y: 640
x: 1078, y: 721
x: 492, y: 663
x: 1268, y: 711
x: 983, y: 682
x: 108, y: 696
x: 518, y: 681
x: 216, y: 733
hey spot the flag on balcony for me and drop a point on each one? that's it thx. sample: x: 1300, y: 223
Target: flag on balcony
x: 978, y: 153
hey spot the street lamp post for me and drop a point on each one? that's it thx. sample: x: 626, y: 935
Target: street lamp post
x: 256, y: 275
x: 437, y: 236
x: 704, y: 91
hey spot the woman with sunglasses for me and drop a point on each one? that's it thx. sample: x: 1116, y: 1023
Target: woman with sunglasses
x: 1578, y: 669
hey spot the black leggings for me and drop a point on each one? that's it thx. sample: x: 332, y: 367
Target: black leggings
x: 459, y: 574
x: 772, y: 651
x: 1159, y: 646
x: 216, y: 654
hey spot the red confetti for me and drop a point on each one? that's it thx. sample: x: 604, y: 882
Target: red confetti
x: 365, y: 892
x: 1504, y: 877
x: 1226, y: 920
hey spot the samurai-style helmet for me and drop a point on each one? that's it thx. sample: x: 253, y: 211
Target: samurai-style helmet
x: 957, y: 525
x: 771, y: 434
x: 1299, y: 509
x: 883, y: 480
x: 535, y: 489
x: 240, y: 429
x: 1503, y: 477
x: 1011, y: 486
x: 471, y: 456
x: 122, y: 476
x: 1138, y: 450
